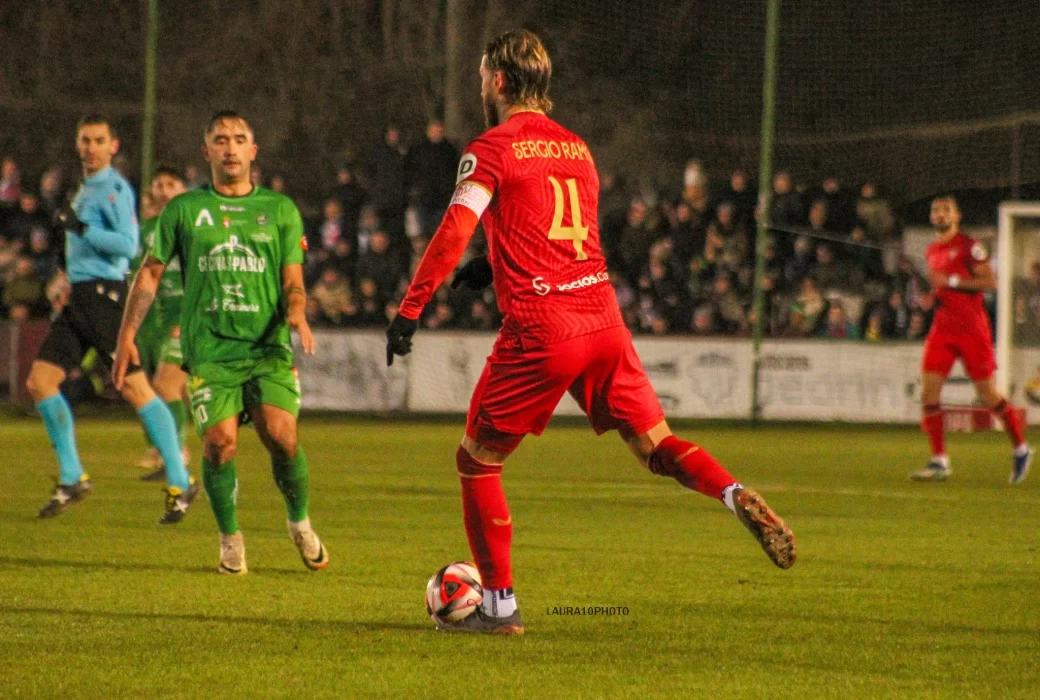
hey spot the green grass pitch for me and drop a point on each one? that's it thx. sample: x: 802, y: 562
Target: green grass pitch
x: 900, y: 590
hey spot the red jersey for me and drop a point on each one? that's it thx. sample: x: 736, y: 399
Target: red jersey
x: 541, y: 224
x: 959, y: 311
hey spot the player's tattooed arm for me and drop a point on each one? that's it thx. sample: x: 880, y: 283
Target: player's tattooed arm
x: 294, y: 296
x: 142, y: 294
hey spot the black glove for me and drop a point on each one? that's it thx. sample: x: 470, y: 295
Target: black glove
x: 476, y: 274
x: 399, y: 337
x: 66, y: 218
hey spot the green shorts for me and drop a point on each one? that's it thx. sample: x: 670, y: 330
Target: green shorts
x: 219, y: 391
x: 159, y: 346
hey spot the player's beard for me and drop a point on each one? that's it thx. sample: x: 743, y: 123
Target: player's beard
x: 232, y: 173
x: 490, y: 112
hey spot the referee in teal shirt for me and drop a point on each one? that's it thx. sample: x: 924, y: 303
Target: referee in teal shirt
x: 101, y: 236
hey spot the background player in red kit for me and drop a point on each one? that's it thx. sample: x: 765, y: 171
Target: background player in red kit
x: 959, y: 270
x: 535, y: 186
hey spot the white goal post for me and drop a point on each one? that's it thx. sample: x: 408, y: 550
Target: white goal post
x: 1007, y: 269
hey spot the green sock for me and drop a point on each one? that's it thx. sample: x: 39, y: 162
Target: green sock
x: 293, y: 480
x: 221, y: 482
x: 180, y: 417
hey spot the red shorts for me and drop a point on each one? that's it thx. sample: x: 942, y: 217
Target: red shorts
x: 519, y: 389
x: 975, y: 351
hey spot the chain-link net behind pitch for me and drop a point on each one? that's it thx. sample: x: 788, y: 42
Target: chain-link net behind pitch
x: 916, y: 96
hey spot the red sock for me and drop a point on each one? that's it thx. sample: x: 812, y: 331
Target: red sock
x: 1012, y: 424
x: 691, y: 466
x: 489, y: 526
x: 932, y: 423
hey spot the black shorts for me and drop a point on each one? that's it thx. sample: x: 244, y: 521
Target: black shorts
x: 90, y: 320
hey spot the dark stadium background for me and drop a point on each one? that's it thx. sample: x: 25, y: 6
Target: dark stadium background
x: 650, y: 84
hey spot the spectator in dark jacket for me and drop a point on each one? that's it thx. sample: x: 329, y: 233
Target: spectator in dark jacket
x: 829, y: 273
x: 51, y: 199
x: 613, y: 201
x: 351, y: 196
x: 742, y: 197
x: 633, y: 244
x: 840, y: 203
x: 687, y: 237
x: 44, y: 257
x: 863, y: 255
x: 386, y: 183
x: 344, y: 257
x: 895, y: 321
x: 787, y: 208
x: 430, y: 169
x: 27, y: 219
x: 371, y: 304
x: 799, y: 264
x: 379, y: 265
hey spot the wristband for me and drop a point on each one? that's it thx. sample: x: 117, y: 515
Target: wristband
x: 954, y: 281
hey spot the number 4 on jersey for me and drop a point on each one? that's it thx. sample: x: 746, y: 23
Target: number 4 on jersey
x: 576, y: 233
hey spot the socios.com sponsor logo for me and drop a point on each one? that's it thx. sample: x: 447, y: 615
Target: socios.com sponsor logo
x: 543, y: 288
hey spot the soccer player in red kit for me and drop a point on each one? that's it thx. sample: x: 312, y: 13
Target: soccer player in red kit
x: 959, y: 271
x: 534, y: 185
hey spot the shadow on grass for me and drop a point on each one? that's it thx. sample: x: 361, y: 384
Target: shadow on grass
x: 136, y: 566
x: 90, y: 565
x: 280, y: 622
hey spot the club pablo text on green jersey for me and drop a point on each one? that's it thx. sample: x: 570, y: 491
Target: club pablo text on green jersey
x: 233, y: 251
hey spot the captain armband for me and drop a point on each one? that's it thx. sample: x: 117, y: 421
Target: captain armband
x: 472, y: 196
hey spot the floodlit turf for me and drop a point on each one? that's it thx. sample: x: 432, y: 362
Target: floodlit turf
x: 900, y: 590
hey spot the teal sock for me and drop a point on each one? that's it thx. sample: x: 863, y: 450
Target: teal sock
x: 159, y: 424
x: 180, y: 418
x: 147, y: 438
x: 57, y: 418
x: 293, y: 480
x: 221, y: 482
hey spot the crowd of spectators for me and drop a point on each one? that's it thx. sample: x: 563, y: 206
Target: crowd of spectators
x: 685, y: 263
x: 32, y: 284
x: 681, y: 262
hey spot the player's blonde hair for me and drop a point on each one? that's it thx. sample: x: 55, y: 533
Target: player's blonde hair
x: 520, y: 55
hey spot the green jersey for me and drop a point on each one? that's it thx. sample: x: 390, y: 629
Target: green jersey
x: 165, y: 313
x: 231, y: 251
